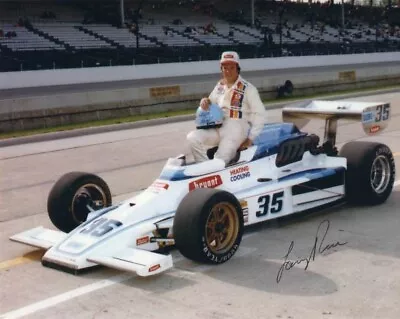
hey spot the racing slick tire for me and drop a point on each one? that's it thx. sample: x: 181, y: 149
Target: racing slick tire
x: 208, y: 225
x: 370, y: 172
x: 68, y: 199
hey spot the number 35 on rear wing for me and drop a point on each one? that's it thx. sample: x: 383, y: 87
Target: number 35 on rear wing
x: 376, y: 118
x: 373, y: 116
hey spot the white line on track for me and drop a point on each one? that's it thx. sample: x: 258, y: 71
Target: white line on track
x: 50, y: 302
x: 47, y: 303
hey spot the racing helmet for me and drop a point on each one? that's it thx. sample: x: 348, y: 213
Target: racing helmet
x: 211, y: 118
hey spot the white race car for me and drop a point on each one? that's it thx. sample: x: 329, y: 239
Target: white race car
x: 202, y: 208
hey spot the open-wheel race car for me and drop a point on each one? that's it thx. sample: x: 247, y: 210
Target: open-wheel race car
x: 202, y: 208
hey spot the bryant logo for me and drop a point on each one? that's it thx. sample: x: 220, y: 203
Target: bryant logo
x: 228, y: 56
x: 206, y: 182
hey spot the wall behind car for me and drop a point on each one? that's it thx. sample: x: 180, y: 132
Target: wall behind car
x: 34, y: 99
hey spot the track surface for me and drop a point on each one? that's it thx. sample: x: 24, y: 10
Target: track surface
x: 358, y: 280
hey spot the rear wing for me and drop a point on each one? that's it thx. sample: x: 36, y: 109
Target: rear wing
x: 373, y: 116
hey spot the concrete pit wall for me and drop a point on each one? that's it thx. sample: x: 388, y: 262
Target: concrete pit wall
x: 178, y: 94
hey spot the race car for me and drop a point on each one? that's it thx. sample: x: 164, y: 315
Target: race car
x: 201, y: 209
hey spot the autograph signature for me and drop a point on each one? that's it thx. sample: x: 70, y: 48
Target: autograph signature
x: 323, y: 228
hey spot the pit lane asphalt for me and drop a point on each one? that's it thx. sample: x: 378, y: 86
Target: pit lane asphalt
x: 358, y: 280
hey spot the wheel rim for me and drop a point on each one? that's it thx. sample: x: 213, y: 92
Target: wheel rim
x: 380, y: 174
x: 89, y: 195
x: 222, y: 228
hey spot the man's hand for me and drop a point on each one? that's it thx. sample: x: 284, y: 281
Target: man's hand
x: 205, y: 103
x: 247, y: 143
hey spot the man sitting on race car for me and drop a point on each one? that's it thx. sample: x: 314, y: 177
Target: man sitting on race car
x: 241, y: 105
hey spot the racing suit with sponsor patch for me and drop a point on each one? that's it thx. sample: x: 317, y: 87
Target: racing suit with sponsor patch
x: 244, y: 117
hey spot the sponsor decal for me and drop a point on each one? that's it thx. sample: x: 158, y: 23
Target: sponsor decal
x: 142, y: 240
x: 218, y: 259
x: 374, y: 129
x: 240, y: 86
x: 237, y: 99
x: 206, y: 182
x: 347, y: 76
x: 368, y: 117
x: 154, y: 268
x: 245, y: 210
x: 157, y: 92
x: 159, y: 185
x: 239, y: 173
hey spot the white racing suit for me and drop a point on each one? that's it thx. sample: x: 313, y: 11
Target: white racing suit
x: 244, y: 117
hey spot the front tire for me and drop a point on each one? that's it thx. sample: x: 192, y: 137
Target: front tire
x: 208, y: 226
x: 370, y: 172
x: 72, y: 194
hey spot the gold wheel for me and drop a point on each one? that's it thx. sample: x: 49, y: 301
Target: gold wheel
x: 222, y: 227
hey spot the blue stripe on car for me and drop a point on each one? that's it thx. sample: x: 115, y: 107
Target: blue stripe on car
x: 311, y: 174
x: 174, y: 175
x: 314, y: 173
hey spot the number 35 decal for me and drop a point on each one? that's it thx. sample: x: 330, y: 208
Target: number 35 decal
x: 100, y: 227
x: 270, y: 203
x: 382, y: 112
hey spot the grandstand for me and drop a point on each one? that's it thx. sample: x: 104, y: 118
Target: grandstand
x: 79, y: 33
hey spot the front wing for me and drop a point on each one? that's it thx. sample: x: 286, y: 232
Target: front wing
x: 142, y: 262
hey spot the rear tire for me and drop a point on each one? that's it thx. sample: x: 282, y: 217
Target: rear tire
x: 208, y: 226
x: 370, y: 172
x: 71, y: 194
